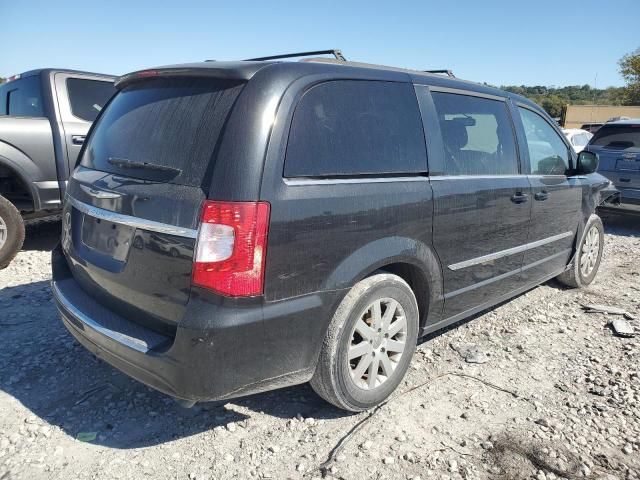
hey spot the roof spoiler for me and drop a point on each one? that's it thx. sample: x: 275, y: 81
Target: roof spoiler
x: 220, y: 73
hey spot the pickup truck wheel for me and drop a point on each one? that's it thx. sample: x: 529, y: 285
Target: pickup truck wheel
x: 586, y: 262
x: 369, y: 344
x: 11, y: 232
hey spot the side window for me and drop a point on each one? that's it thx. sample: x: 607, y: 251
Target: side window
x: 477, y: 135
x: 351, y: 127
x: 548, y: 154
x: 25, y: 98
x: 87, y: 97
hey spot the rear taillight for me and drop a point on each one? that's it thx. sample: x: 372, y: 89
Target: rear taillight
x: 231, y: 248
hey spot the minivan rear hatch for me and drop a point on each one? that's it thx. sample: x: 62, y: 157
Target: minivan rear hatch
x: 133, y: 206
x: 618, y: 149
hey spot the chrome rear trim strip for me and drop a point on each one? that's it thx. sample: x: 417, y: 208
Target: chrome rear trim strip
x: 130, y: 342
x: 508, y: 251
x: 130, y: 221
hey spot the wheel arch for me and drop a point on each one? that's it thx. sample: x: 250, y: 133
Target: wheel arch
x: 413, y: 261
x: 11, y: 170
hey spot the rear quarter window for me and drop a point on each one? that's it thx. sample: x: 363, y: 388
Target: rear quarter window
x: 162, y: 129
x: 88, y: 97
x: 350, y: 128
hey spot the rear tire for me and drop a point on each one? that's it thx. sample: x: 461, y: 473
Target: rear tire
x: 586, y: 262
x: 369, y: 344
x: 11, y: 232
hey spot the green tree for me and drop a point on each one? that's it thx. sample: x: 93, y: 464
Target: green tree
x: 553, y: 105
x: 552, y: 98
x: 630, y: 71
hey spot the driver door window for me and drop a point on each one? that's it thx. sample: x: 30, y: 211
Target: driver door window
x: 548, y: 154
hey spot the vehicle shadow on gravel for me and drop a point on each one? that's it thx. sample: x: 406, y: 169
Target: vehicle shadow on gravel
x: 624, y: 224
x: 42, y: 235
x: 63, y: 385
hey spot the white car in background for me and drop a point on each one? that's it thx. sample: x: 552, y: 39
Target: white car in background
x: 577, y: 137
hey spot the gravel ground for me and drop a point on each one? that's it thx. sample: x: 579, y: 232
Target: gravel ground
x: 556, y: 394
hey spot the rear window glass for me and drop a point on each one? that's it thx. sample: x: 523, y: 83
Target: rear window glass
x: 24, y: 97
x: 348, y: 128
x: 162, y: 129
x: 88, y: 97
x: 617, y: 136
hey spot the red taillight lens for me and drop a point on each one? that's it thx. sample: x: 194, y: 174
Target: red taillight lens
x: 231, y: 248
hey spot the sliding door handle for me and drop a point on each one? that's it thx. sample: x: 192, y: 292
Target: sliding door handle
x: 519, y: 197
x: 541, y: 196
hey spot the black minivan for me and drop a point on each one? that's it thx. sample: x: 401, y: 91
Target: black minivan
x: 235, y: 227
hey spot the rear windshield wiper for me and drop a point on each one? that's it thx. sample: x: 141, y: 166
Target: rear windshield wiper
x: 124, y: 163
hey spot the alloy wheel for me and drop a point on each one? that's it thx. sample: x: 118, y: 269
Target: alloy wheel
x: 590, y: 251
x: 377, y: 343
x: 3, y: 232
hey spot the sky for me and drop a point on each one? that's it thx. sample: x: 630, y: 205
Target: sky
x: 543, y: 42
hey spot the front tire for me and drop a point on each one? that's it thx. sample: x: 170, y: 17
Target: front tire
x: 11, y: 232
x: 369, y: 344
x: 586, y: 262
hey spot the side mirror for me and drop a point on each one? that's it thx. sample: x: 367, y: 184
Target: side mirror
x: 587, y: 162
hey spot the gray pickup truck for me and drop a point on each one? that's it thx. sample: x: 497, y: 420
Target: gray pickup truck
x: 44, y: 117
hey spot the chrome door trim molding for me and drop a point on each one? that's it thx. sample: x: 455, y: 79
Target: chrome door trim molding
x: 477, y: 177
x: 508, y: 251
x: 130, y: 221
x: 338, y: 181
x: 502, y: 276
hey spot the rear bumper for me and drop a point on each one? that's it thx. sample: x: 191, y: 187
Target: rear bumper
x: 628, y: 201
x: 220, y: 350
x: 622, y: 207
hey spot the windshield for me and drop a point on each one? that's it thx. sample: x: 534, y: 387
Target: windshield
x: 617, y: 137
x: 162, y: 129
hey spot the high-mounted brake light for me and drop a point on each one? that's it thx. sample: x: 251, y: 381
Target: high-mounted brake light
x: 147, y: 73
x: 231, y: 248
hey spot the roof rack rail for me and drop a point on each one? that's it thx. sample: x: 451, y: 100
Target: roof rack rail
x: 336, y: 53
x: 449, y: 73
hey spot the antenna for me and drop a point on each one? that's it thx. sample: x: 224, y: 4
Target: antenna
x: 595, y: 87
